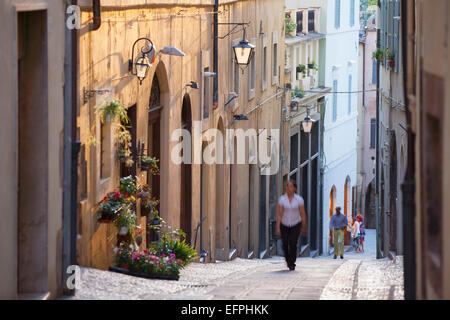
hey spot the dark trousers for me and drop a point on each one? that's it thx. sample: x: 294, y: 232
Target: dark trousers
x: 289, y: 236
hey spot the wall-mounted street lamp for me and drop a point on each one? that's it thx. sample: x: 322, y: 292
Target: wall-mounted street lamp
x: 243, y: 52
x: 307, y: 124
x: 147, y: 56
x: 143, y: 62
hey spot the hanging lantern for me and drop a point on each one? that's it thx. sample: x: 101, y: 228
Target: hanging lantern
x: 140, y: 66
x: 307, y: 124
x: 243, y: 52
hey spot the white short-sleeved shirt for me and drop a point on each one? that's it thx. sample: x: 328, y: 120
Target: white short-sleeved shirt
x: 291, y: 213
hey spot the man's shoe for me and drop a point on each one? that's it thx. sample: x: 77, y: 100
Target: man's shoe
x: 342, y: 257
x: 334, y: 257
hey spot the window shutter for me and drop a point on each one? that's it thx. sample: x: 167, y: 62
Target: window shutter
x: 349, y: 111
x: 337, y: 17
x: 374, y: 71
x: 396, y: 37
x: 352, y: 13
x: 372, y: 132
x: 382, y: 18
x: 335, y: 88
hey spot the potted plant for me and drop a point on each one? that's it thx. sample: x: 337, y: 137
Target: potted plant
x: 110, y: 207
x: 109, y: 111
x: 313, y: 66
x: 301, y: 68
x: 126, y: 225
x: 390, y: 55
x: 150, y: 164
x: 124, y: 140
x: 378, y: 54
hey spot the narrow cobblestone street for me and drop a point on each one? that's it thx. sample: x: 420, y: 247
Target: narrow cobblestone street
x: 356, y: 277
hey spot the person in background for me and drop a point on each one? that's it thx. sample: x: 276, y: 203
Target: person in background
x: 355, y: 234
x: 362, y: 231
x: 291, y: 220
x: 339, y: 224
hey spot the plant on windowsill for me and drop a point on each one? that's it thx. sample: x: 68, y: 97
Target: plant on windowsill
x: 391, y: 58
x: 313, y: 66
x: 109, y: 111
x: 289, y: 26
x: 301, y: 68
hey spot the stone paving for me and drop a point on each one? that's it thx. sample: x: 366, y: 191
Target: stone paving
x: 356, y: 277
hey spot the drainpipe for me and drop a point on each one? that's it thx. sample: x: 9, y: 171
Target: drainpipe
x: 216, y: 56
x: 363, y: 116
x: 377, y: 192
x: 70, y: 151
x: 97, y: 15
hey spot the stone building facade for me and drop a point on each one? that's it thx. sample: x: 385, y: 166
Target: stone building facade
x: 235, y: 199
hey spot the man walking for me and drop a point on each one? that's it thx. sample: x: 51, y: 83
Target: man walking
x: 339, y: 223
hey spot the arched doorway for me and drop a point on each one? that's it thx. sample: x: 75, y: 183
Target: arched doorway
x: 186, y: 175
x: 154, y: 145
x: 369, y: 207
x: 332, y: 210
x: 220, y: 226
x: 347, y: 208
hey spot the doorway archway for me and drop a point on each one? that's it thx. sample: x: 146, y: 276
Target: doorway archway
x: 332, y: 210
x: 186, y: 175
x: 347, y: 210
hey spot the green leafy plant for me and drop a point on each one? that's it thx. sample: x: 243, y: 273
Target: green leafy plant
x: 298, y: 93
x: 111, y: 110
x: 171, y: 243
x: 301, y: 68
x: 289, y: 25
x: 313, y: 66
x: 111, y: 205
x: 378, y: 54
x: 128, y: 186
x: 150, y: 164
x: 126, y: 219
x: 390, y: 55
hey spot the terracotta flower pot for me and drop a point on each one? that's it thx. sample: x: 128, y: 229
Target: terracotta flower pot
x: 392, y: 63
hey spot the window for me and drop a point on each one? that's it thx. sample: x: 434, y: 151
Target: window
x: 311, y: 26
x: 236, y: 82
x: 206, y: 94
x: 335, y: 97
x: 252, y: 78
x: 349, y: 111
x: 299, y: 22
x: 274, y: 58
x: 264, y: 68
x: 373, y: 131
x: 105, y: 167
x: 337, y: 14
x: 374, y: 71
x: 352, y: 13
